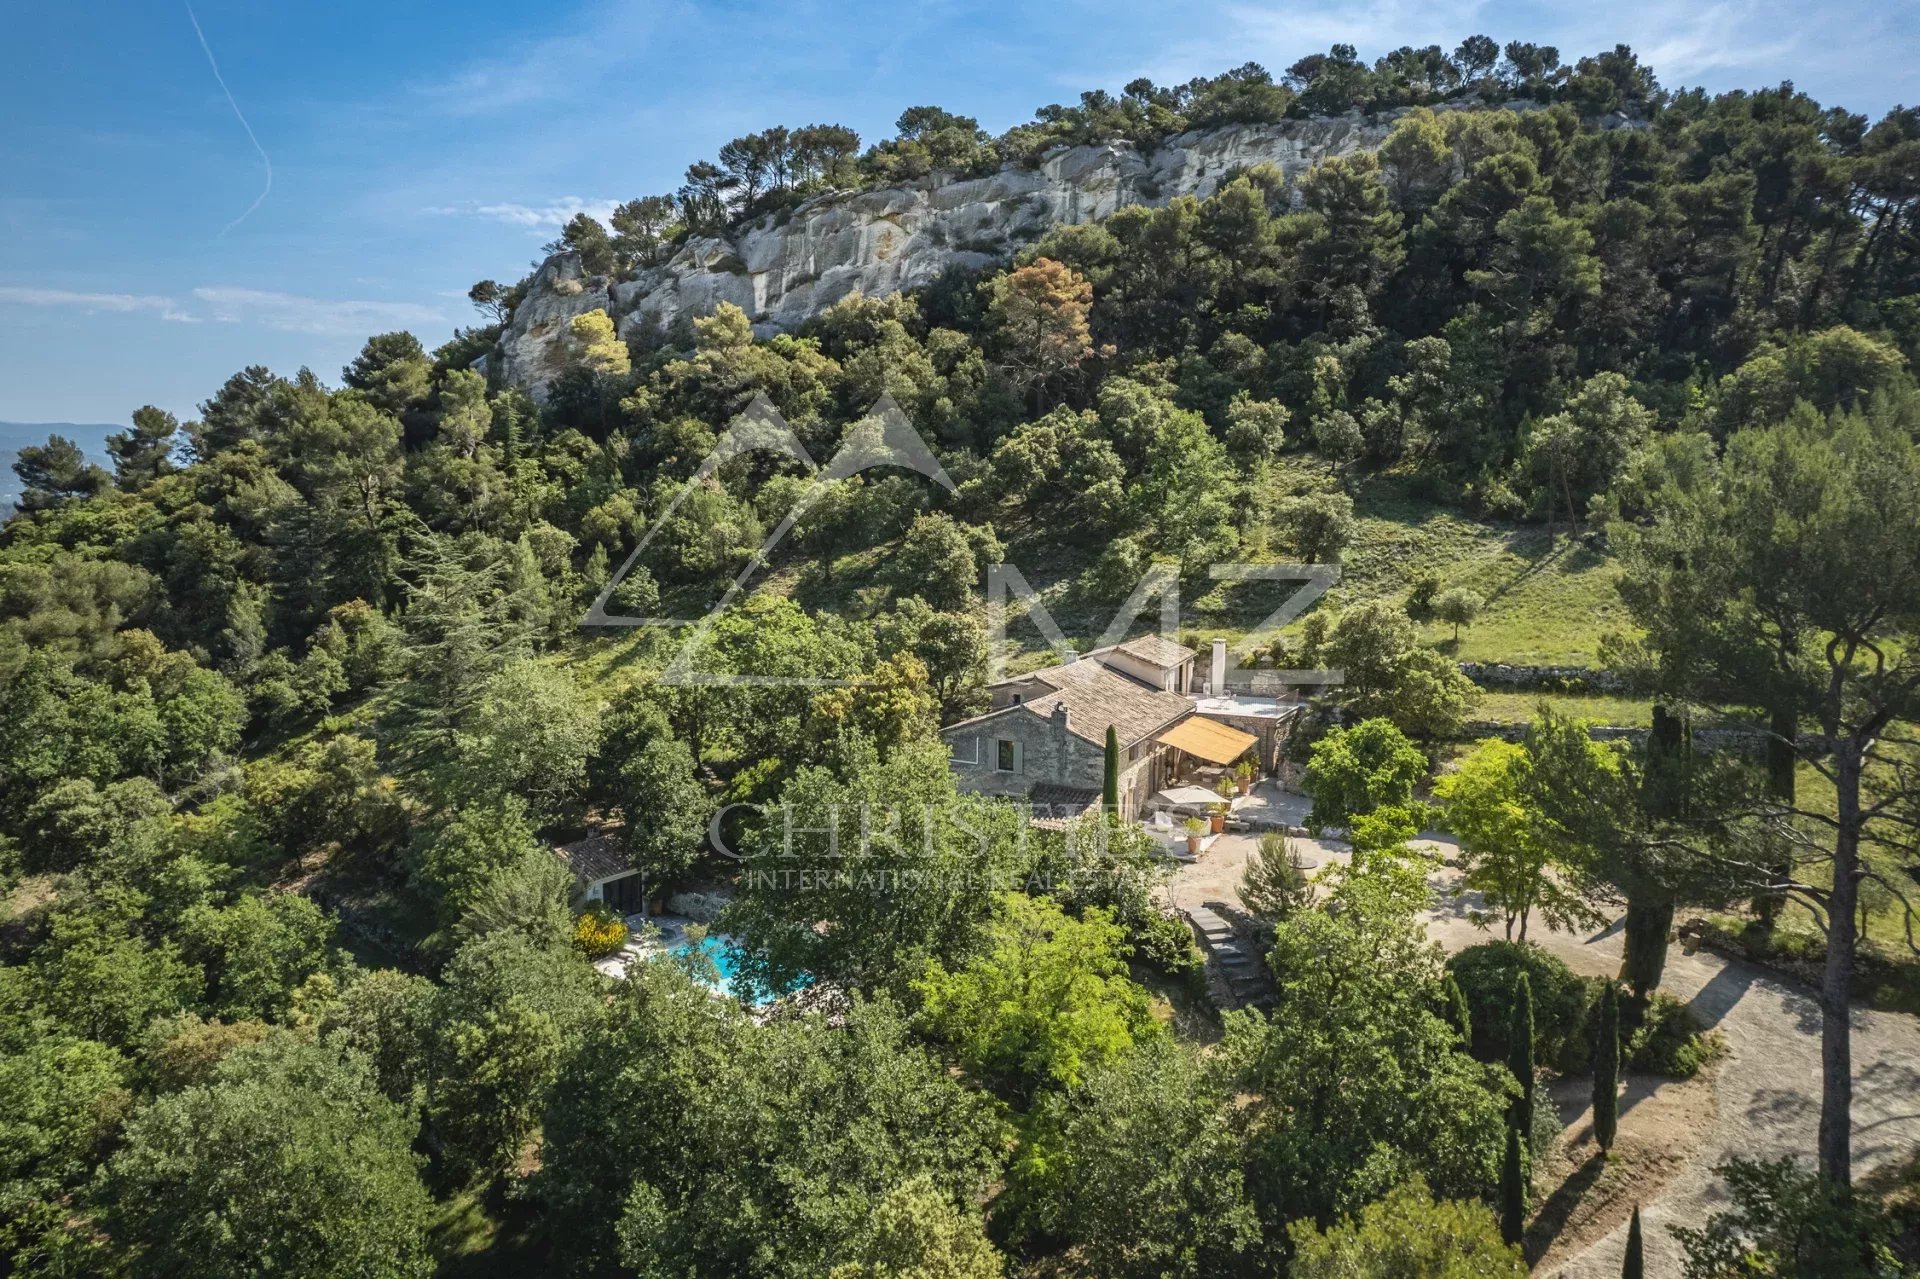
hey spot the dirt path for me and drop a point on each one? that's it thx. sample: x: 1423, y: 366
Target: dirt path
x: 1767, y: 1091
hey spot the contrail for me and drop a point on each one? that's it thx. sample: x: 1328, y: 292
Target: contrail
x: 221, y: 81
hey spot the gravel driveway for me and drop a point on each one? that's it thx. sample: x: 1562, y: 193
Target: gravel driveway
x: 1768, y: 1092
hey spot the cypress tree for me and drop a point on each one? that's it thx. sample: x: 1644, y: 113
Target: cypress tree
x: 1456, y: 1012
x: 1636, y: 1263
x: 1513, y: 1189
x: 1606, y: 1069
x: 1110, y: 781
x: 1520, y: 1051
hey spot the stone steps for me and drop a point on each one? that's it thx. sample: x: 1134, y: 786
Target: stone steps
x: 1242, y: 974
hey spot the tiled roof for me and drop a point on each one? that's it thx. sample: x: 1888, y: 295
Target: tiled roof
x: 1096, y: 697
x: 1062, y: 801
x: 601, y: 855
x: 1157, y: 649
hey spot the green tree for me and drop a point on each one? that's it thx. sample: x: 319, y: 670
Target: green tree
x: 1110, y: 775
x: 1359, y: 1083
x: 666, y: 807
x: 503, y: 1018
x: 820, y: 861
x: 55, y: 473
x: 1139, y: 1169
x: 145, y: 453
x: 257, y: 951
x: 1520, y: 1046
x: 530, y: 896
x: 734, y: 1132
x: 1458, y: 606
x: 1047, y: 999
x: 936, y: 561
x: 919, y: 1233
x: 1387, y: 674
x: 1351, y: 771
x: 290, y: 1162
x: 1738, y: 581
x: 1513, y: 1188
x: 451, y: 864
x: 1317, y: 525
x: 1509, y: 847
x: 392, y: 371
x: 1408, y: 1235
x: 1275, y: 884
x: 530, y: 733
x: 1356, y: 241
x: 1787, y: 1223
x: 584, y: 235
x: 1454, y: 1005
x: 62, y: 1101
x: 1606, y: 1069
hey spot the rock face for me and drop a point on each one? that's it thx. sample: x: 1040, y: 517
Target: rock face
x: 786, y: 267
x: 532, y: 350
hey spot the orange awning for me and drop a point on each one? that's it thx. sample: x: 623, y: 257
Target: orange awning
x: 1204, y: 739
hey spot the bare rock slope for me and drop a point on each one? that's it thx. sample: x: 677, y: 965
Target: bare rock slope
x: 785, y: 267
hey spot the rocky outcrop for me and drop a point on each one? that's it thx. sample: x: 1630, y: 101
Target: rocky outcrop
x: 788, y: 266
x: 532, y: 350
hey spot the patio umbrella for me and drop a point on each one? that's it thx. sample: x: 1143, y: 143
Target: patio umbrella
x: 1187, y: 796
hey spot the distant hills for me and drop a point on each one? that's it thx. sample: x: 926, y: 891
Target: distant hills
x: 14, y: 436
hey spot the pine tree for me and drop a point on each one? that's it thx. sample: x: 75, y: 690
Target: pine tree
x: 1110, y: 782
x: 1457, y: 1013
x: 1635, y: 1266
x: 1513, y: 1188
x: 1606, y: 1070
x: 1520, y: 1051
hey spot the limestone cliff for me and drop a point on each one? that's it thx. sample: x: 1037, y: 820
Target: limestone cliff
x: 785, y: 267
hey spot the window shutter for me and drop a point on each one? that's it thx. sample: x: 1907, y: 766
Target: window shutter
x: 1019, y: 757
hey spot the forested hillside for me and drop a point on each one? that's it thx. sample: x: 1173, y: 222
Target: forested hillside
x: 296, y: 704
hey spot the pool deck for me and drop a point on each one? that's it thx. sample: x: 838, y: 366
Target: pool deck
x: 651, y: 935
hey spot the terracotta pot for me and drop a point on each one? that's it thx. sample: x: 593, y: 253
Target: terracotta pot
x: 1246, y: 786
x: 1218, y: 821
x: 1193, y: 845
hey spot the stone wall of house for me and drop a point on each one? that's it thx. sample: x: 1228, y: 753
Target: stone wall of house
x: 1049, y: 754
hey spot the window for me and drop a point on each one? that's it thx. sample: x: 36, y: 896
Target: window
x: 1006, y: 755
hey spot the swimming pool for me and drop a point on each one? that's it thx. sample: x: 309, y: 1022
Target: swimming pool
x: 725, y: 958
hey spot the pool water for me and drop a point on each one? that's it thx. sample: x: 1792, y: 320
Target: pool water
x: 725, y: 958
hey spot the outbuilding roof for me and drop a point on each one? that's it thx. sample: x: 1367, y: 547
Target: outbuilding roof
x: 600, y: 856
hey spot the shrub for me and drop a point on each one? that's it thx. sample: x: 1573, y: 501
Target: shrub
x: 599, y: 932
x: 1669, y: 1040
x: 1487, y: 975
x: 1165, y: 944
x: 1420, y: 598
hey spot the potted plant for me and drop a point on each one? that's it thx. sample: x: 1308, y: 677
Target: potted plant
x: 1217, y: 816
x: 1195, y: 828
x: 1243, y: 774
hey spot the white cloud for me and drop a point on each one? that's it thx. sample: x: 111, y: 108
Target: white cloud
x: 554, y: 213
x: 124, y: 303
x: 297, y: 314
x: 291, y: 312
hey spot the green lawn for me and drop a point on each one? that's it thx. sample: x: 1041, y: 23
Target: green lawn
x: 1519, y: 708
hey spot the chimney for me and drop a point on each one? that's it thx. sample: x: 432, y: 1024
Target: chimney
x: 1217, y: 680
x: 1062, y: 718
x: 1072, y: 655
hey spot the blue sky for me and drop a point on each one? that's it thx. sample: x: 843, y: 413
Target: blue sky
x: 415, y: 148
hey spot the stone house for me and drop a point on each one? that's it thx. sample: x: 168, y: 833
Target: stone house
x: 1044, y: 740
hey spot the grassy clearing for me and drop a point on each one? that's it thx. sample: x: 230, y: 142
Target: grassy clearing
x: 1520, y: 708
x: 1548, y: 601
